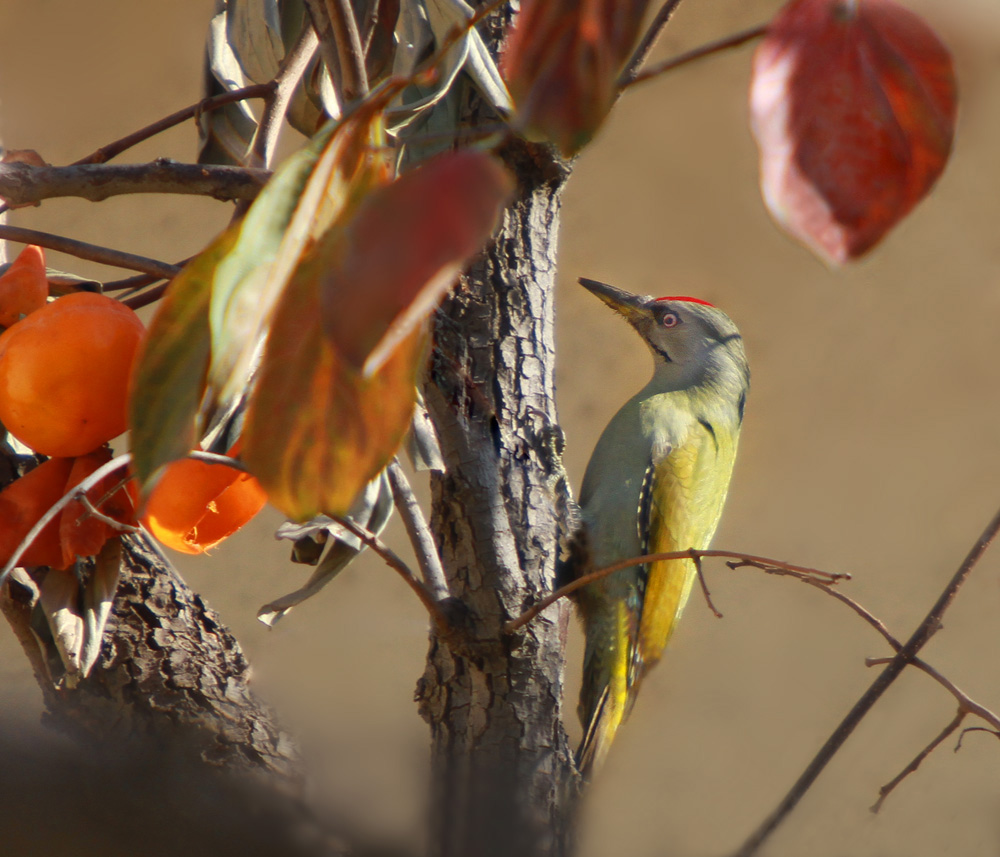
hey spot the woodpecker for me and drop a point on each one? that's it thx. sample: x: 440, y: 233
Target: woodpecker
x: 656, y: 482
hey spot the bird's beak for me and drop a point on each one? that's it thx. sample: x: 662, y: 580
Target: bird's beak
x: 633, y: 307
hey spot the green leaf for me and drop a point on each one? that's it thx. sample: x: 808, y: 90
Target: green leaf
x: 169, y: 377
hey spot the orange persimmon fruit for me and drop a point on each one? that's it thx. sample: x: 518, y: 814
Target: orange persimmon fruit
x: 23, y: 502
x: 195, y: 504
x: 64, y: 373
x: 73, y: 532
x: 24, y: 286
x: 81, y: 534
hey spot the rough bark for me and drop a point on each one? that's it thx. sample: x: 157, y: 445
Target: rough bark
x: 169, y: 674
x: 503, y: 769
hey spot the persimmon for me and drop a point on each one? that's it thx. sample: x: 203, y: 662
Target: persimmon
x: 24, y: 286
x: 195, y: 505
x: 23, y: 502
x: 64, y: 374
x: 80, y: 533
x: 73, y: 532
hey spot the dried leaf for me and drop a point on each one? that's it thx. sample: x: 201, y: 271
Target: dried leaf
x: 98, y: 599
x: 853, y: 106
x: 59, y: 601
x: 393, y: 262
x: 423, y: 27
x: 371, y: 510
x: 316, y: 429
x: 562, y: 61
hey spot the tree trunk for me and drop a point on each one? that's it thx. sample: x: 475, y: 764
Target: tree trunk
x: 504, y: 774
x: 169, y: 673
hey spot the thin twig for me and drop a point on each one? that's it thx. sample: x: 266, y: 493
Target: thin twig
x: 420, y: 534
x: 217, y: 458
x: 69, y: 497
x: 292, y: 68
x: 646, y: 43
x: 93, y: 512
x: 92, y: 252
x: 704, y: 585
x: 349, y: 49
x: 112, y: 150
x: 917, y: 640
x: 966, y: 703
x: 733, y: 41
x: 139, y: 281
x: 585, y: 579
x: 25, y: 184
x: 391, y: 559
x: 961, y: 735
x: 885, y: 791
x: 147, y: 297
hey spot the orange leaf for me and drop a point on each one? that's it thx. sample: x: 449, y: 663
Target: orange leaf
x: 394, y: 260
x: 561, y: 63
x: 853, y: 107
x: 24, y: 286
x: 317, y: 430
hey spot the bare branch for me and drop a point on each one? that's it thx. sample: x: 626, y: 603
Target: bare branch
x: 647, y: 41
x: 93, y: 512
x: 733, y: 41
x: 774, y: 566
x: 112, y: 150
x: 420, y: 534
x: 391, y: 559
x: 704, y: 585
x: 91, y: 252
x: 965, y: 702
x: 25, y: 184
x: 349, y: 49
x: 884, y: 792
x: 292, y: 69
x: 926, y: 629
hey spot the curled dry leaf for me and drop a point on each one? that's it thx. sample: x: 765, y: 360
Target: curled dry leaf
x: 562, y: 61
x: 393, y: 261
x: 853, y: 107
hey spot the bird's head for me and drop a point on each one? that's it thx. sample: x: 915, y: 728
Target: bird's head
x: 687, y: 336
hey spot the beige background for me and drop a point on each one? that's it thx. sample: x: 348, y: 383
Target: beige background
x: 872, y: 445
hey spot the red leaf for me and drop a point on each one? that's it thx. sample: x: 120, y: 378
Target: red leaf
x: 562, y: 61
x: 394, y: 260
x: 853, y: 107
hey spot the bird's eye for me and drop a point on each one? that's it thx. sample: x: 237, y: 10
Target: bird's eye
x: 670, y: 319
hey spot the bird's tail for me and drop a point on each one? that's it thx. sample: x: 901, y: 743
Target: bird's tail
x: 608, y: 691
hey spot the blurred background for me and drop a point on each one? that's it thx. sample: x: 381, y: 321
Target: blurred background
x: 871, y: 445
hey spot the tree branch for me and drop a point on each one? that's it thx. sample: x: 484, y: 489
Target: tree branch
x: 647, y: 41
x: 419, y: 532
x: 733, y: 41
x: 918, y: 639
x: 349, y: 49
x: 25, y: 184
x: 112, y: 150
x: 884, y: 792
x: 91, y: 252
x: 773, y: 566
x: 370, y: 540
x: 292, y: 68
